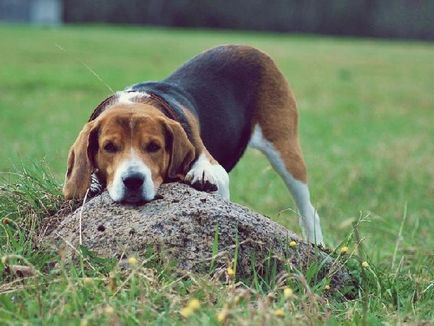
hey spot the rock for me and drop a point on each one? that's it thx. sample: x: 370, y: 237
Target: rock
x: 183, y: 224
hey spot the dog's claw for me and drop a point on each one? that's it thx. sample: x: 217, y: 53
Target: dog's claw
x: 204, y: 185
x: 208, y: 177
x: 205, y: 182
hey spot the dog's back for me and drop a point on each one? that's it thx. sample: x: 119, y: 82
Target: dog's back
x: 222, y: 87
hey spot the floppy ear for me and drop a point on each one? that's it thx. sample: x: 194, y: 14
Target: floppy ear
x: 81, y: 162
x: 182, y: 151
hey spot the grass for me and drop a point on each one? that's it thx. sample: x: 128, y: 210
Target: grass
x: 366, y: 118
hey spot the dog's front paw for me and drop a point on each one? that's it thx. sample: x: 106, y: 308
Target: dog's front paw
x: 201, y: 179
x: 205, y: 176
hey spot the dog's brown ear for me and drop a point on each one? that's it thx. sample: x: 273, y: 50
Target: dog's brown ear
x: 182, y: 151
x: 81, y: 162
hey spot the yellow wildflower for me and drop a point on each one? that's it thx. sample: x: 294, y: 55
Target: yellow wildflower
x: 288, y: 293
x: 365, y: 264
x: 132, y: 261
x: 222, y: 315
x: 279, y: 313
x: 230, y: 271
x: 186, y: 312
x: 190, y: 308
x: 194, y: 304
x: 293, y: 244
x: 344, y: 250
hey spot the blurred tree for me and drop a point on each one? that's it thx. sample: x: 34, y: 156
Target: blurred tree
x: 381, y: 18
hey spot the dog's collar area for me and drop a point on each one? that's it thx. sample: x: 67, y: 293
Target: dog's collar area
x: 169, y: 111
x: 166, y: 108
x: 97, y: 184
x: 174, y: 113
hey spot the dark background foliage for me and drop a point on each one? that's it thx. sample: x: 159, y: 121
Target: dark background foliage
x: 375, y: 18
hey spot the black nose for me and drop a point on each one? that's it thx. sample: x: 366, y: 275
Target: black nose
x: 133, y: 181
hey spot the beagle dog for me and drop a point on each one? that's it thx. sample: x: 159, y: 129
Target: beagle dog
x: 193, y: 126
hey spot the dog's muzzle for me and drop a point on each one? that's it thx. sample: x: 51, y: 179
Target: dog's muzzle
x: 133, y: 188
x: 132, y: 183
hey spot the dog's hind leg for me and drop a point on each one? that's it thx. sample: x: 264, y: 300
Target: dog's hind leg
x: 287, y: 160
x: 274, y: 132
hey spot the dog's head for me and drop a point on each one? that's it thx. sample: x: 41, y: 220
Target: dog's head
x: 134, y: 148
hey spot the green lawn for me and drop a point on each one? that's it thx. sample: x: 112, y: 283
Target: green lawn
x: 367, y: 130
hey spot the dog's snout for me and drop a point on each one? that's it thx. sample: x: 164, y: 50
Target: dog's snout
x: 133, y: 181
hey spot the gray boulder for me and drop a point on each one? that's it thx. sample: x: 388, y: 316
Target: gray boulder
x: 185, y: 226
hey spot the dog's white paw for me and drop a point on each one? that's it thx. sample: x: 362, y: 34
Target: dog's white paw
x: 208, y: 177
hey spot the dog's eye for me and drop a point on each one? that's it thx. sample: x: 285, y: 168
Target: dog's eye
x: 153, y: 147
x: 110, y: 147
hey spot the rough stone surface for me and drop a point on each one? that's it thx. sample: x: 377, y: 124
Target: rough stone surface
x: 183, y: 224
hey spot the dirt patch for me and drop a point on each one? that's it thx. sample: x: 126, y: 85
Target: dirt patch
x: 185, y: 225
